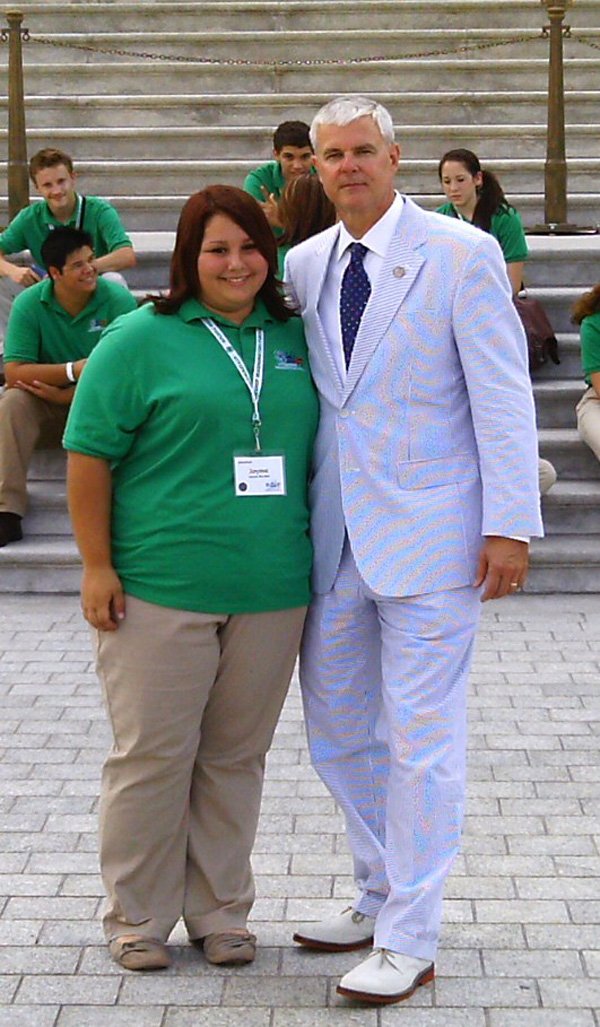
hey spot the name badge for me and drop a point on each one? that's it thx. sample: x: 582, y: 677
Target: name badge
x: 259, y: 475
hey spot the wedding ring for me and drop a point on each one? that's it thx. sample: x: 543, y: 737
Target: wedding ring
x: 514, y: 584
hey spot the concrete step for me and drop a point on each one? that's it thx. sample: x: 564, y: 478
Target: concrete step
x: 470, y: 110
x: 213, y: 15
x: 572, y: 459
x: 558, y: 303
x: 48, y: 465
x: 47, y: 513
x: 159, y: 212
x: 570, y: 362
x: 555, y: 403
x: 564, y: 563
x: 572, y: 508
x: 416, y: 176
x: 71, y: 75
x: 563, y: 260
x: 40, y: 564
x: 254, y: 143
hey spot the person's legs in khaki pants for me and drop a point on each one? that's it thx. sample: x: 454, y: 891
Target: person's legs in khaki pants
x: 588, y: 420
x: 193, y: 700
x: 25, y: 422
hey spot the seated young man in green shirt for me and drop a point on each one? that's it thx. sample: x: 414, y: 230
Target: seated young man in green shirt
x: 52, y: 329
x: 293, y: 155
x: 52, y: 173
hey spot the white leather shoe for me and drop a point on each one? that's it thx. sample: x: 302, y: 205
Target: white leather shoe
x: 386, y: 977
x: 342, y: 933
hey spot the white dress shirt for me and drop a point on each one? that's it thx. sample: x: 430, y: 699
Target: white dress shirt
x: 377, y: 241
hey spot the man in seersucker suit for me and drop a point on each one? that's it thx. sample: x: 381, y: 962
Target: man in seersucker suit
x: 424, y: 497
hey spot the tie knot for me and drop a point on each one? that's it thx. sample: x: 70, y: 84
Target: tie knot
x: 357, y: 252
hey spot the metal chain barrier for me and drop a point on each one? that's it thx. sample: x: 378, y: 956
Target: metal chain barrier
x: 586, y: 40
x: 308, y: 63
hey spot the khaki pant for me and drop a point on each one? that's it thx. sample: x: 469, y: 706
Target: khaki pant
x: 25, y: 422
x: 588, y: 420
x: 193, y: 701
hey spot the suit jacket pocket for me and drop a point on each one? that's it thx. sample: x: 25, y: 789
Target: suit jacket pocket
x: 447, y: 470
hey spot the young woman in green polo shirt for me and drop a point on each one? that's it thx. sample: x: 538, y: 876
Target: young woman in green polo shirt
x: 476, y: 195
x: 586, y: 313
x: 189, y: 454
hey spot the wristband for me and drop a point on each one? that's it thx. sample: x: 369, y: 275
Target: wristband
x: 70, y: 373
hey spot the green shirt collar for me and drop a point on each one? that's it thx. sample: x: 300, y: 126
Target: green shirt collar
x: 47, y: 296
x: 194, y: 310
x: 51, y: 220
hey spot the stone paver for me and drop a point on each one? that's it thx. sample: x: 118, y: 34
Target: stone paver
x: 521, y: 937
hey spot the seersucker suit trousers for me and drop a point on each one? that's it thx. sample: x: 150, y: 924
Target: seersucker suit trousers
x: 384, y: 689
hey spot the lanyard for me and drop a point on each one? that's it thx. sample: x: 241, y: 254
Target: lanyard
x: 254, y: 384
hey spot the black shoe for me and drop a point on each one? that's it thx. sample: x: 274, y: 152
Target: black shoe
x: 10, y: 528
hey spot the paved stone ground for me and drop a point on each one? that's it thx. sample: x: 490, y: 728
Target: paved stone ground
x: 521, y: 942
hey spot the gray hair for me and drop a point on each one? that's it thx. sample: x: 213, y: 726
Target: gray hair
x: 344, y: 109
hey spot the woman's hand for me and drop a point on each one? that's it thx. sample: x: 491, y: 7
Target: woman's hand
x: 102, y: 599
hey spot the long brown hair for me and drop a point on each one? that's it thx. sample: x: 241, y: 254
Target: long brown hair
x: 587, y: 304
x: 304, y: 210
x: 242, y: 208
x: 490, y: 195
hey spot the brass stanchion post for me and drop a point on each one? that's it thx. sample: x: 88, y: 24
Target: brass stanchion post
x: 555, y: 167
x: 18, y: 179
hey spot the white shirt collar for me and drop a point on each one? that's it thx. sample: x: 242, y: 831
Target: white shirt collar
x: 379, y: 236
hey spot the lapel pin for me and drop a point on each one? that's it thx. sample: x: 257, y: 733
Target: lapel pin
x: 399, y: 272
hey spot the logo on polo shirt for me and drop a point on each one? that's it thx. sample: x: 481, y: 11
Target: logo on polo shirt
x: 97, y: 324
x: 288, y: 361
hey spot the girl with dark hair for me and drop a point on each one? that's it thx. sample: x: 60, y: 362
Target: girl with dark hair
x: 586, y: 313
x: 304, y: 210
x: 190, y: 445
x: 476, y: 195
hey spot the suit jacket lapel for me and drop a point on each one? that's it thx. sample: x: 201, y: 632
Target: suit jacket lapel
x: 322, y: 355
x: 400, y: 268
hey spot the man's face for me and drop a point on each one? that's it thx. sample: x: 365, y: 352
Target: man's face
x: 79, y: 276
x: 357, y: 167
x: 57, y: 186
x: 294, y: 160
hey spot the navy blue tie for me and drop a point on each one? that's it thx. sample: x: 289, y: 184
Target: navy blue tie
x: 355, y: 291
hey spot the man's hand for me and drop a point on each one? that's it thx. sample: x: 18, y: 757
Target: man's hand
x: 51, y: 393
x: 502, y: 566
x: 102, y: 599
x: 23, y: 276
x: 271, y: 208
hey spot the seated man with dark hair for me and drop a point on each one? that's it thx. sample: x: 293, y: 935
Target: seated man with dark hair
x: 52, y: 329
x: 293, y: 155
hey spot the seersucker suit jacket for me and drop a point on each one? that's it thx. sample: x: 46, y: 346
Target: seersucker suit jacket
x: 430, y: 442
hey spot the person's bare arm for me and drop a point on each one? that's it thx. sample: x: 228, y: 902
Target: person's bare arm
x: 595, y: 380
x: 19, y: 275
x: 515, y: 274
x: 19, y: 373
x: 118, y: 260
x: 89, y: 492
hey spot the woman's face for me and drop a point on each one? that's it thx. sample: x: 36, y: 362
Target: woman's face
x: 231, y: 270
x: 459, y: 185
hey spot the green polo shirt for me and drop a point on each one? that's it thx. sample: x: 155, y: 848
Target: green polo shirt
x: 29, y: 229
x: 506, y: 227
x: 162, y: 402
x: 268, y: 176
x: 590, y: 345
x: 40, y: 331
